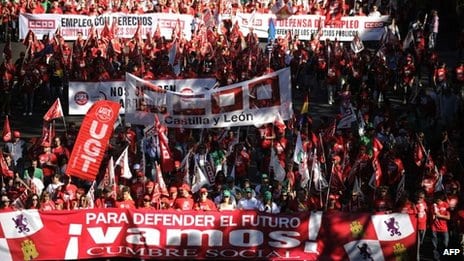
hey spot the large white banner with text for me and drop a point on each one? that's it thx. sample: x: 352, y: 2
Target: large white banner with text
x: 70, y: 25
x: 82, y: 95
x: 368, y: 28
x: 254, y: 102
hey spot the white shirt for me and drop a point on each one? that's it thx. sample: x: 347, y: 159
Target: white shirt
x: 273, y: 208
x: 248, y: 204
x: 374, y: 14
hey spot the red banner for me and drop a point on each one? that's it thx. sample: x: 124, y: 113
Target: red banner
x: 92, y: 140
x: 237, y: 235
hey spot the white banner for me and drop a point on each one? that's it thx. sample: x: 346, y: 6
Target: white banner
x: 70, y: 25
x: 252, y: 102
x: 368, y: 28
x: 82, y: 95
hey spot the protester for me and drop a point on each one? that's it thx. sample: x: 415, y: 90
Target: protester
x: 345, y: 156
x: 226, y: 202
x: 267, y: 205
x: 439, y: 226
x: 249, y: 202
x: 184, y: 201
x: 203, y: 203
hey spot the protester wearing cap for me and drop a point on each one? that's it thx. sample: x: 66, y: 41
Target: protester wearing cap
x: 227, y: 202
x: 6, y: 204
x: 204, y: 203
x: 264, y: 186
x: 248, y: 202
x: 184, y: 200
x: 267, y: 205
x: 59, y: 204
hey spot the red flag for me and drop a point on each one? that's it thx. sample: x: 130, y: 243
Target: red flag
x: 160, y: 179
x: 376, y: 147
x: 167, y: 162
x: 157, y: 33
x: 55, y: 111
x: 138, y: 33
x: 6, y: 134
x: 20, y: 202
x: 374, y: 182
x: 92, y: 140
x: 4, y: 167
x: 30, y: 36
x: 418, y: 154
x: 105, y: 33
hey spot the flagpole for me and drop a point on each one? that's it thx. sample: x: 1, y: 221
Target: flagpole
x: 64, y: 121
x: 328, y: 188
x: 52, y: 127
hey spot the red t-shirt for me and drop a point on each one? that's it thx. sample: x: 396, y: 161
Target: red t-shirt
x: 129, y: 203
x: 183, y: 203
x: 421, y: 215
x: 440, y: 224
x: 207, y: 205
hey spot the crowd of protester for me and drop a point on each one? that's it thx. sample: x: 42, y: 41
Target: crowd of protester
x: 408, y: 101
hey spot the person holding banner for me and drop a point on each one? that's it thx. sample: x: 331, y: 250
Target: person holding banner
x: 126, y: 200
x: 6, y: 204
x: 204, y: 203
x: 185, y: 200
x: 106, y: 198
